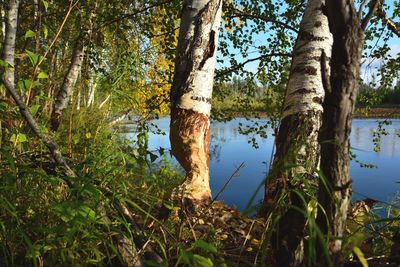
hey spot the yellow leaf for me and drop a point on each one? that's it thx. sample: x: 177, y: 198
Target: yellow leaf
x: 88, y: 135
x: 224, y: 237
x: 360, y: 256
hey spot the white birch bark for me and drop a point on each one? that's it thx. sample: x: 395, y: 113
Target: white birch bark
x: 66, y: 89
x: 78, y: 104
x: 198, y: 40
x: 92, y: 90
x: 191, y: 96
x: 297, y: 138
x: 9, y: 39
x: 3, y: 23
x: 301, y: 118
x: 305, y: 89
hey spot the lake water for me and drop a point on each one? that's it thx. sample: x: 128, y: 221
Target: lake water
x: 229, y: 149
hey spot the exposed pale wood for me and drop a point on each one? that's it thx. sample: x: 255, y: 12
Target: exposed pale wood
x: 191, y: 96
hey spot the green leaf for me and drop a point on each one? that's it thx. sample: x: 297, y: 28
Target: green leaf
x: 45, y: 33
x: 45, y: 4
x: 34, y: 58
x: 3, y: 63
x: 22, y: 138
x: 43, y: 75
x: 26, y: 84
x: 91, y: 191
x: 29, y: 34
x: 10, y: 159
x: 360, y: 256
x: 200, y: 261
x: 34, y: 109
x: 77, y: 211
x: 3, y: 106
x: 205, y: 246
x: 153, y: 157
x: 19, y: 138
x: 187, y: 257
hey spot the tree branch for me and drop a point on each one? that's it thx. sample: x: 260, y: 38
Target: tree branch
x: 238, y: 66
x: 373, y: 5
x: 364, y: 2
x: 393, y: 26
x: 50, y: 144
x: 240, y: 14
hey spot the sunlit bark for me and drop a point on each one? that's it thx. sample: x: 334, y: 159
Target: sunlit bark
x: 297, y: 149
x: 191, y: 95
x: 64, y: 93
x: 9, y: 39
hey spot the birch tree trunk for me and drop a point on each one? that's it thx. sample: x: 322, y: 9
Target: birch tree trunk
x: 297, y: 149
x: 9, y: 39
x: 191, y: 96
x: 92, y: 90
x: 341, y: 93
x: 67, y: 87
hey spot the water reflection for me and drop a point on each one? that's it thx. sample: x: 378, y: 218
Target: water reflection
x: 229, y: 149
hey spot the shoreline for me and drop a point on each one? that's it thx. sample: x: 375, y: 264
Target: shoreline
x: 360, y: 113
x: 377, y: 113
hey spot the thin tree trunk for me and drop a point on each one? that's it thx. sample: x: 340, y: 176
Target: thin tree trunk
x: 297, y: 150
x: 92, y: 90
x: 66, y: 89
x: 78, y: 100
x: 341, y: 93
x: 9, y: 39
x: 3, y: 21
x: 191, y: 96
x: 38, y: 24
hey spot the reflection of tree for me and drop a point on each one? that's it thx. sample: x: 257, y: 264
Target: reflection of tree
x: 216, y: 146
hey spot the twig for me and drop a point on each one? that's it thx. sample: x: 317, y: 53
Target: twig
x: 234, y: 174
x: 239, y: 13
x: 373, y: 6
x: 247, y: 237
x: 393, y: 26
x: 238, y: 66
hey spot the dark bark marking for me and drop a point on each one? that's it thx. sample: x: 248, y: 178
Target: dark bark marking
x: 305, y: 70
x: 317, y: 100
x: 324, y: 10
x: 287, y: 107
x: 201, y: 99
x: 306, y: 36
x: 209, y: 50
x: 303, y: 91
x: 318, y: 24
